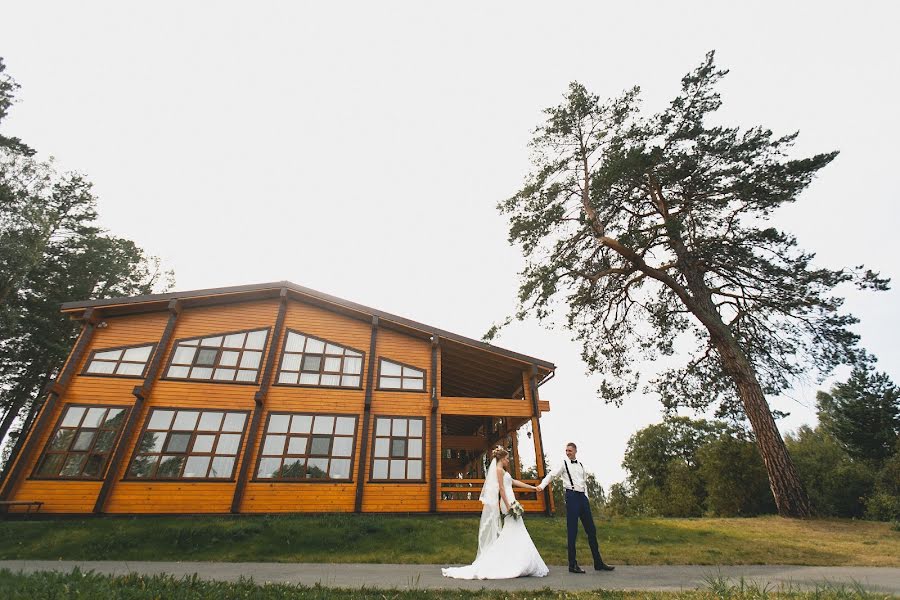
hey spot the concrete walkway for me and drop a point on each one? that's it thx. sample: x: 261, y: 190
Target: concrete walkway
x: 662, y: 577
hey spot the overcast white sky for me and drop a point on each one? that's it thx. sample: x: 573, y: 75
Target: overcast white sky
x: 360, y: 148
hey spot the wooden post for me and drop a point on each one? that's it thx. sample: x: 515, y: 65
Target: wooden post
x: 434, y: 419
x: 367, y: 416
x: 536, y: 428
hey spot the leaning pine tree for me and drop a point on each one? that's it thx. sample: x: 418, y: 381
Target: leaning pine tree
x: 655, y: 232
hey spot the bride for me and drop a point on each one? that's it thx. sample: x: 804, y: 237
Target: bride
x: 505, y: 549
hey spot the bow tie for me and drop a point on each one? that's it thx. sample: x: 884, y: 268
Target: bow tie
x: 574, y: 462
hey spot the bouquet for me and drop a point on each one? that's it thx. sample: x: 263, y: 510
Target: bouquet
x: 516, y: 511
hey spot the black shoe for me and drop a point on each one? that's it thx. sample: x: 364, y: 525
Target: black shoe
x: 602, y: 566
x: 575, y: 569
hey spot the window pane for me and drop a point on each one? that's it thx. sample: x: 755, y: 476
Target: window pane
x: 130, y: 369
x: 291, y: 362
x: 320, y: 445
x: 184, y: 355
x: 274, y: 445
x: 73, y: 416
x: 141, y: 354
x: 114, y: 418
x: 312, y: 362
x: 104, y: 441
x: 352, y: 366
x: 293, y: 468
x: 250, y: 360
x: 390, y: 383
x: 301, y: 423
x: 234, y: 422
x: 210, y: 421
x: 142, y: 466
x: 332, y: 349
x: 222, y: 466
x: 178, y: 442
x: 314, y: 346
x: 350, y: 352
x: 201, y: 373
x: 186, y: 420
x: 224, y: 375
x: 398, y: 448
x: 317, y: 468
x: 294, y: 342
x: 93, y: 417
x: 382, y: 446
x: 101, y: 367
x: 297, y: 445
x: 178, y: 372
x: 290, y: 378
x: 343, y: 446
x: 399, y: 427
x: 345, y: 425
x: 410, y: 372
x: 190, y: 342
x: 246, y: 375
x: 340, y: 469
x: 203, y: 443
x: 51, y: 464
x: 413, y: 384
x: 256, y: 340
x: 214, y: 341
x: 278, y: 423
x: 323, y: 425
x: 414, y: 449
x: 206, y: 357
x: 268, y: 467
x: 330, y: 380
x: 109, y: 355
x: 170, y: 466
x: 228, y: 443
x: 380, y: 469
x: 309, y: 378
x: 152, y: 442
x: 62, y: 439
x: 350, y: 381
x: 414, y: 469
x: 229, y: 359
x: 389, y: 368
x: 94, y: 464
x: 83, y: 440
x: 415, y: 428
x: 73, y: 465
x: 196, y: 466
x: 161, y: 419
x: 398, y: 469
x: 332, y: 364
x: 383, y: 427
x: 235, y: 340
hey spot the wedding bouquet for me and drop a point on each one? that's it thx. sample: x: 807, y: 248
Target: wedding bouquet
x: 516, y: 511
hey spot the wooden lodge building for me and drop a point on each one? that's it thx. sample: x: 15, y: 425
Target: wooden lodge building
x: 272, y: 398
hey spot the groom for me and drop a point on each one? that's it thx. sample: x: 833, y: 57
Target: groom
x: 574, y: 479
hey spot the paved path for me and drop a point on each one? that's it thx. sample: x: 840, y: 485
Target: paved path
x: 662, y: 577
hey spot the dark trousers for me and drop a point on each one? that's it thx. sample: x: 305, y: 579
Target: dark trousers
x: 577, y: 507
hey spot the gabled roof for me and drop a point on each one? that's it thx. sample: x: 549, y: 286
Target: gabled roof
x: 151, y: 302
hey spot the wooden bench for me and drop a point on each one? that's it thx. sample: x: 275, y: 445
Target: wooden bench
x: 29, y: 505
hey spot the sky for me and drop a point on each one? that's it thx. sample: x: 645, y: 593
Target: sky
x: 360, y: 148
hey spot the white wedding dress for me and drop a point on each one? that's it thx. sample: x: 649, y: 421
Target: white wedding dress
x: 510, y: 554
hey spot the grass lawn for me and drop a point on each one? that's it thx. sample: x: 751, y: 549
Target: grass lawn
x: 448, y: 540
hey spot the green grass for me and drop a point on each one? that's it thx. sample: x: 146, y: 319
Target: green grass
x: 447, y: 540
x: 50, y: 586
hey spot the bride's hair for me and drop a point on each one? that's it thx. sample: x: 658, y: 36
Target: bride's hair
x: 499, y: 453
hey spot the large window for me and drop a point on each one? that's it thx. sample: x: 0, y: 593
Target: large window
x: 82, y: 442
x: 188, y: 444
x: 397, y: 376
x: 311, y: 361
x: 227, y: 357
x: 398, y: 449
x: 127, y: 361
x: 307, y: 446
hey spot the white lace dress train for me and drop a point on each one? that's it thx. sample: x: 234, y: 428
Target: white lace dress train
x: 512, y: 554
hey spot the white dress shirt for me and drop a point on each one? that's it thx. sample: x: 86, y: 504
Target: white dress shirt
x: 576, y: 470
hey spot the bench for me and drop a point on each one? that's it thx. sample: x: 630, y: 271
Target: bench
x: 29, y: 505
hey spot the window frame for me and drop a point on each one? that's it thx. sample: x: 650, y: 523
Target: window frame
x: 153, y: 345
x: 378, y: 387
x: 118, y: 438
x: 424, y: 439
x: 238, y: 456
x: 262, y: 440
x: 220, y: 349
x: 281, y: 355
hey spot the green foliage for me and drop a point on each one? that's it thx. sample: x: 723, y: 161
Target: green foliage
x: 884, y: 503
x: 734, y: 478
x: 863, y: 414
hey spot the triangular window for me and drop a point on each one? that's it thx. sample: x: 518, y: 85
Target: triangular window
x: 397, y: 376
x: 222, y: 358
x: 124, y: 361
x: 308, y: 360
